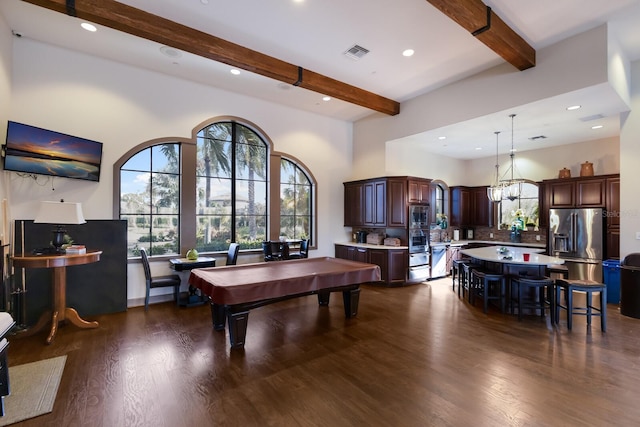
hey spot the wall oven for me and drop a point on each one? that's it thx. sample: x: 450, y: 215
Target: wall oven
x: 419, y: 268
x: 418, y: 241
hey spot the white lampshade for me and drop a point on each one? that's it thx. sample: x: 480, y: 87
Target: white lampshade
x: 60, y: 213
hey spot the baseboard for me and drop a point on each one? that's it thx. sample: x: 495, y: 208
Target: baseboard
x: 154, y: 299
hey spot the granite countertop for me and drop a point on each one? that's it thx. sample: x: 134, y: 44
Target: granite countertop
x: 370, y: 246
x: 451, y: 243
x: 490, y: 242
x: 513, y: 255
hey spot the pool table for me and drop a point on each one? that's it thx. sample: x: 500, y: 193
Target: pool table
x: 234, y: 290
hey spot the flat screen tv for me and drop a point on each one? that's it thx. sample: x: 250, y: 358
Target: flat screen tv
x: 33, y: 150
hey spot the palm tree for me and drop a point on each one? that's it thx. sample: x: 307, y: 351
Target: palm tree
x: 251, y: 153
x: 216, y: 160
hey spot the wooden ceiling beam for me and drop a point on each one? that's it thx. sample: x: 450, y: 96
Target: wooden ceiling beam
x: 139, y: 23
x: 477, y: 18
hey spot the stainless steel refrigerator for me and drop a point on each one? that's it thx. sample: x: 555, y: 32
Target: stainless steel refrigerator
x: 576, y: 235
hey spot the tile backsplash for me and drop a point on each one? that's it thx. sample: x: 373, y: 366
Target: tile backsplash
x: 484, y: 233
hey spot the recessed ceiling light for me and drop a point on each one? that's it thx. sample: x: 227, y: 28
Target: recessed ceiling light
x: 408, y: 52
x: 204, y: 1
x: 478, y: 148
x: 326, y: 98
x: 574, y: 107
x: 442, y: 137
x: 89, y: 27
x: 597, y: 127
x: 234, y: 72
x: 170, y: 52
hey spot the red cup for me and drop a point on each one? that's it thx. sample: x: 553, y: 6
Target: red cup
x: 525, y: 257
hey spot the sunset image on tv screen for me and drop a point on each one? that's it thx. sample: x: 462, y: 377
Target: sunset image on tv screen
x: 34, y: 150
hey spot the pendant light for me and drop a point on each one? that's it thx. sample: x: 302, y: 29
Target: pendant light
x: 494, y: 192
x: 513, y: 186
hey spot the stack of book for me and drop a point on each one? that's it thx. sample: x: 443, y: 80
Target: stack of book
x: 76, y: 250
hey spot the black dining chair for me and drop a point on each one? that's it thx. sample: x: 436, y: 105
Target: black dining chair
x: 232, y: 254
x: 267, y: 250
x: 303, y: 252
x: 172, y: 280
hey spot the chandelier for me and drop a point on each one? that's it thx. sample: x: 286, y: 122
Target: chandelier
x: 512, y: 186
x: 505, y: 188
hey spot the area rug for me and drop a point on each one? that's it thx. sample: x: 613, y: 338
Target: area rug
x: 33, y: 389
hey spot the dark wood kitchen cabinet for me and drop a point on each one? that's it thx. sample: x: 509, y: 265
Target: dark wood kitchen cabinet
x: 612, y: 218
x: 470, y: 206
x: 375, y: 203
x: 460, y: 206
x: 576, y: 193
x: 392, y: 262
x: 419, y: 190
x: 353, y: 204
x: 382, y: 202
x: 397, y: 202
x: 482, y: 214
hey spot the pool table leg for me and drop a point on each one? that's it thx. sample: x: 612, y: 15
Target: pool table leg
x: 218, y: 316
x: 351, y: 299
x: 323, y: 298
x: 237, y: 327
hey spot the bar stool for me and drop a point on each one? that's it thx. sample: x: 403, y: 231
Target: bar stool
x: 467, y: 269
x: 589, y: 287
x: 456, y: 274
x: 489, y: 286
x: 539, y: 300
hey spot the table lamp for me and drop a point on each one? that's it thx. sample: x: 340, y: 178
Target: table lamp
x: 59, y: 213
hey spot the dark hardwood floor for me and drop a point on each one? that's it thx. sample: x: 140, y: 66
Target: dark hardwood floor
x: 414, y: 356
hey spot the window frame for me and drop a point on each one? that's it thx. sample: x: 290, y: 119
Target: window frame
x: 188, y: 183
x: 312, y: 195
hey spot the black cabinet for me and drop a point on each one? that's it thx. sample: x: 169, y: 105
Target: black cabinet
x: 92, y: 289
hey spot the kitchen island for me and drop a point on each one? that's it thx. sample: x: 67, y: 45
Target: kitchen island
x: 512, y: 260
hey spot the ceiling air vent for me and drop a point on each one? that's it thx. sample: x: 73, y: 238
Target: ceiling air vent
x: 594, y: 117
x: 356, y: 52
x: 535, y: 138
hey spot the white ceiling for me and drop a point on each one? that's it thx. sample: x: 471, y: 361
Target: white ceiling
x: 314, y: 34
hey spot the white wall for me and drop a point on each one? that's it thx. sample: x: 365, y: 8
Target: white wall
x: 630, y: 170
x: 5, y: 97
x: 575, y: 63
x: 122, y: 106
x: 546, y: 163
x: 407, y: 159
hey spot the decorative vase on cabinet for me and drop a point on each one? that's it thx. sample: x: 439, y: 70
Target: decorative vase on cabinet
x: 586, y: 169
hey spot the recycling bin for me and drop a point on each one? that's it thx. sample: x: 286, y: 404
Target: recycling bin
x: 630, y: 285
x: 611, y: 272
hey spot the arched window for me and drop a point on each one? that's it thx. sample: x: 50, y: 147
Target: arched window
x: 296, y: 194
x: 439, y: 201
x: 210, y: 191
x: 231, y: 187
x: 150, y: 199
